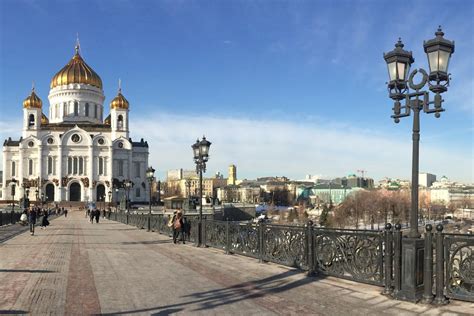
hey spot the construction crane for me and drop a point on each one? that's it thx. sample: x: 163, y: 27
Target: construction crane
x: 362, y: 172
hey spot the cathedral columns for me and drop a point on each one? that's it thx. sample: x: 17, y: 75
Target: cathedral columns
x: 20, y: 175
x: 90, y: 172
x: 59, y: 190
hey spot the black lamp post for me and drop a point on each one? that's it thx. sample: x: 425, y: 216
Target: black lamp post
x: 13, y: 194
x: 150, y: 172
x: 398, y: 61
x: 42, y: 201
x: 116, y: 198
x: 201, y: 156
x: 128, y: 185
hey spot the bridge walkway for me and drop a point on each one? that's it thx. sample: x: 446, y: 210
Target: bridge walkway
x: 76, y: 268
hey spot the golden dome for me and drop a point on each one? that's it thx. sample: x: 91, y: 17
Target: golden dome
x: 119, y: 102
x: 107, y: 120
x: 44, y: 119
x: 32, y: 101
x: 76, y: 71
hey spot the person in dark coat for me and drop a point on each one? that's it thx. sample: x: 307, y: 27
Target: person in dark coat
x: 97, y: 216
x: 32, y: 220
x: 178, y: 227
x: 186, y: 229
x: 91, y: 216
x: 44, y: 220
x: 65, y: 213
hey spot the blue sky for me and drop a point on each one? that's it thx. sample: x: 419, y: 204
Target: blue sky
x: 279, y: 87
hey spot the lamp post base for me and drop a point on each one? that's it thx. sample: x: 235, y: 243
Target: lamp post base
x: 413, y: 251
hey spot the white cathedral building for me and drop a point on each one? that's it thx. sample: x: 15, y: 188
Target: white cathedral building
x: 73, y: 154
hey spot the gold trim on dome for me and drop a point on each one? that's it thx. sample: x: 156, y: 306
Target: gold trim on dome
x: 32, y: 101
x: 44, y: 119
x: 76, y: 71
x: 119, y: 102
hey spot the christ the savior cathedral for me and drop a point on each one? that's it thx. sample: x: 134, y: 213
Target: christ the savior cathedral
x: 73, y: 153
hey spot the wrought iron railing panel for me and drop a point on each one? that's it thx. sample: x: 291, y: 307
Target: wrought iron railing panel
x: 215, y: 234
x: 459, y: 258
x: 243, y: 239
x: 285, y: 245
x: 350, y: 254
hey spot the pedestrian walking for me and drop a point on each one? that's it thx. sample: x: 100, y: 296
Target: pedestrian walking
x: 97, y: 216
x: 103, y: 213
x: 65, y: 213
x: 32, y: 220
x: 178, y: 227
x: 44, y: 220
x: 91, y: 216
x: 186, y: 229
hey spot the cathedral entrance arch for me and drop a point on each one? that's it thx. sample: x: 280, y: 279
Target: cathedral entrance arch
x: 100, y: 192
x: 49, y: 192
x: 75, y: 192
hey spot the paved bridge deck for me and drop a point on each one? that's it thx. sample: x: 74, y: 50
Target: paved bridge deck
x: 76, y: 268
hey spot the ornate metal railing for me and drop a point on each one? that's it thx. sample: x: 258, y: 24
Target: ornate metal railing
x: 351, y: 254
x: 287, y: 245
x: 366, y: 256
x: 244, y: 239
x: 7, y: 218
x: 459, y: 258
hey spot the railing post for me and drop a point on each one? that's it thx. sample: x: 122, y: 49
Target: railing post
x: 260, y: 241
x: 428, y: 267
x: 440, y: 298
x: 203, y: 232
x: 227, y: 237
x: 388, y: 255
x: 397, y: 259
x: 310, y: 248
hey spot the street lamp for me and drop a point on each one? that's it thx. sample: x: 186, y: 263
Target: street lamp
x: 13, y: 194
x: 150, y: 172
x: 116, y: 199
x: 128, y: 185
x: 201, y: 156
x: 398, y: 61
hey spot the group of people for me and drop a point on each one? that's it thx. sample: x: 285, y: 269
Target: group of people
x: 31, y: 215
x: 95, y: 214
x: 181, y: 227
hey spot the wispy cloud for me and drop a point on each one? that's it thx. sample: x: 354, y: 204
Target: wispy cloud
x: 278, y: 147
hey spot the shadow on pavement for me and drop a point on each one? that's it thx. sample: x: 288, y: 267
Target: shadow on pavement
x: 150, y: 242
x: 232, y: 294
x: 13, y: 312
x: 26, y: 271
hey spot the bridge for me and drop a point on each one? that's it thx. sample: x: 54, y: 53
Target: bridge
x: 74, y: 267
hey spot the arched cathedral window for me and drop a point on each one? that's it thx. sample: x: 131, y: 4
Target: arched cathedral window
x: 13, y: 168
x: 120, y: 122
x: 31, y: 120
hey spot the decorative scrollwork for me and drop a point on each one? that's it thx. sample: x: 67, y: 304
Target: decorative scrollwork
x: 353, y: 255
x: 285, y: 245
x: 460, y: 267
x: 243, y: 239
x: 216, y: 234
x: 423, y: 81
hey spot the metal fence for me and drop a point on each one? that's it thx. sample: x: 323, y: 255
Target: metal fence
x: 367, y: 256
x: 7, y: 218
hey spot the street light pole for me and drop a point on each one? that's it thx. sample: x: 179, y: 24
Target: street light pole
x: 398, y: 61
x: 150, y: 172
x: 201, y: 156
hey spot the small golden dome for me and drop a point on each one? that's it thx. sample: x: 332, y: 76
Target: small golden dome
x: 32, y: 101
x: 119, y: 102
x: 76, y: 71
x: 107, y: 120
x: 44, y: 119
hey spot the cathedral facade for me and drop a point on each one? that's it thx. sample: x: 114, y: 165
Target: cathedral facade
x: 73, y: 153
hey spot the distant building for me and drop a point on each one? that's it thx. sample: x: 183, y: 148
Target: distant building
x: 326, y: 193
x: 232, y: 175
x: 426, y: 179
x: 354, y: 181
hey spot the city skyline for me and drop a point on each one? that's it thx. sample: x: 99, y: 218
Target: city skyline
x: 279, y: 89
